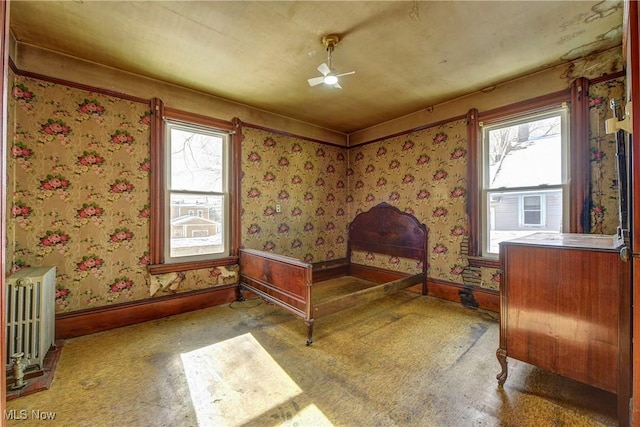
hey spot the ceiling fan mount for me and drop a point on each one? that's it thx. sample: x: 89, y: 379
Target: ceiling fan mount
x: 329, y: 75
x: 330, y: 41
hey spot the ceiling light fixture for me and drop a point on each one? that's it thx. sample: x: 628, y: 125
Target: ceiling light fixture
x: 329, y: 75
x: 330, y: 79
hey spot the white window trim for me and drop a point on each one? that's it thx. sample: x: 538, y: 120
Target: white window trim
x: 224, y: 193
x: 485, y: 192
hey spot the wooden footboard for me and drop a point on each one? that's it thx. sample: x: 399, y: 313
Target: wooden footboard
x: 280, y: 280
x: 287, y: 282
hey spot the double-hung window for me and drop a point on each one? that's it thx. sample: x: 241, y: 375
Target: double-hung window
x: 525, y: 177
x: 194, y: 208
x: 532, y: 210
x: 196, y: 193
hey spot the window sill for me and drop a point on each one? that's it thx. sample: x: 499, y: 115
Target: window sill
x: 195, y: 265
x: 484, y: 262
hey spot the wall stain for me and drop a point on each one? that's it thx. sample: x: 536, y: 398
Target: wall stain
x: 603, y: 41
x: 603, y: 9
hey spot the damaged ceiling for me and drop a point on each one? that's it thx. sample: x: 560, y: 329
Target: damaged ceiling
x: 407, y: 55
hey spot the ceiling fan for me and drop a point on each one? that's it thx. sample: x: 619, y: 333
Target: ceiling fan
x: 329, y: 74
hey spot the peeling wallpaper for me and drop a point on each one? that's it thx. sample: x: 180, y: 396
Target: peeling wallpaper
x: 604, y: 183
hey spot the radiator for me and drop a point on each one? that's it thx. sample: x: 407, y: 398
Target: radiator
x: 31, y: 314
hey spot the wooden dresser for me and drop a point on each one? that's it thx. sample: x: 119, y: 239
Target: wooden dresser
x: 565, y: 308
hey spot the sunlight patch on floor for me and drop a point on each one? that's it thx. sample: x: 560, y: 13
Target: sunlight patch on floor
x: 236, y: 381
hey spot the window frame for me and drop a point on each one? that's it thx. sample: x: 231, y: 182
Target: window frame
x: 158, y: 214
x: 169, y: 190
x: 486, y: 192
x: 579, y: 167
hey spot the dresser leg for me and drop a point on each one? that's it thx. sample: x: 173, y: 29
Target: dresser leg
x: 501, y: 354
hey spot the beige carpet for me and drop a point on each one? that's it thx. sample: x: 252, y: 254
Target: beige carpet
x: 405, y: 360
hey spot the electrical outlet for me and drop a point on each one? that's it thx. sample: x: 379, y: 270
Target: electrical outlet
x: 278, y: 208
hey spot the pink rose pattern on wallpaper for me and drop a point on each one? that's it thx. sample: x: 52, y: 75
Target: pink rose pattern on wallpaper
x: 306, y: 180
x: 321, y: 188
x: 604, y: 184
x: 423, y: 173
x: 79, y: 171
x: 78, y: 176
x: 78, y: 188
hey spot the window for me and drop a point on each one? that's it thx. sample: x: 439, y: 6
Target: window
x: 524, y: 177
x: 532, y: 210
x: 197, y: 164
x: 194, y: 212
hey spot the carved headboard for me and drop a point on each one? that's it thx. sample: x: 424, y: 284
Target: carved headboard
x: 385, y: 229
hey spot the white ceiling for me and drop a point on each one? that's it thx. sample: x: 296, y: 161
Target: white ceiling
x: 407, y: 55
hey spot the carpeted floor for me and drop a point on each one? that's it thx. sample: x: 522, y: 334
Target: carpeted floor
x: 404, y: 360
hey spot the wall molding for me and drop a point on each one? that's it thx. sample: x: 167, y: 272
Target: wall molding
x: 85, y: 322
x: 412, y: 130
x: 289, y: 134
x: 75, y: 85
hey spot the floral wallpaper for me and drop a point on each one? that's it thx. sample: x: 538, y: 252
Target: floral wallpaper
x: 78, y: 193
x: 78, y: 196
x: 423, y: 173
x: 308, y: 182
x: 604, y: 183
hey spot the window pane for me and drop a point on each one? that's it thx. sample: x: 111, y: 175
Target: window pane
x: 196, y: 161
x: 525, y: 154
x: 531, y: 202
x: 505, y: 221
x: 197, y: 225
x: 532, y: 217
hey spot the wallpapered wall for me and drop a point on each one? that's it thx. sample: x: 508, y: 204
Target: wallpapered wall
x: 604, y: 184
x: 78, y: 189
x: 423, y: 173
x: 308, y: 181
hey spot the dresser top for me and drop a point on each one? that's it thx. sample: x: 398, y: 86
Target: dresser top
x: 567, y: 240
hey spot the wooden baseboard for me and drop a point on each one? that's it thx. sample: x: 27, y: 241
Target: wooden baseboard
x: 375, y: 274
x: 485, y: 299
x: 326, y: 270
x: 100, y: 319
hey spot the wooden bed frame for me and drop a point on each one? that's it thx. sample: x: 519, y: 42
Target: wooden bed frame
x: 287, y: 282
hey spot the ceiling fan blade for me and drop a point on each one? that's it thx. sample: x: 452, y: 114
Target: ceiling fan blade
x: 315, y: 81
x: 346, y: 74
x: 324, y: 69
x: 337, y: 86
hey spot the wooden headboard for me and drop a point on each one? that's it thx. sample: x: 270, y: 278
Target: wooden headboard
x: 385, y: 229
